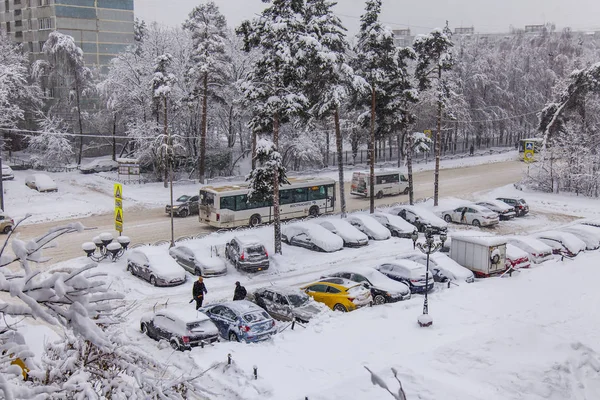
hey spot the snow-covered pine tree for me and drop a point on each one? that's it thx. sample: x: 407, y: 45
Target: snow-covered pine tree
x: 434, y: 57
x: 208, y: 28
x: 376, y: 61
x: 269, y: 167
x: 329, y: 76
x: 51, y: 147
x: 273, y: 88
x: 161, y: 85
x: 65, y: 67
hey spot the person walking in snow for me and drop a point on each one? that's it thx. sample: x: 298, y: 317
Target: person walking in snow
x: 198, y: 292
x: 471, y: 150
x: 240, y: 292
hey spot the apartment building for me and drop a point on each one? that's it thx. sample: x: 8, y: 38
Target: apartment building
x: 102, y: 28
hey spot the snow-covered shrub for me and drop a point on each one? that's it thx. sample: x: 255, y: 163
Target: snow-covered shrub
x: 52, y: 146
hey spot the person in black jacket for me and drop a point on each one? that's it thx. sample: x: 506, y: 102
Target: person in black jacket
x: 240, y: 292
x: 198, y: 292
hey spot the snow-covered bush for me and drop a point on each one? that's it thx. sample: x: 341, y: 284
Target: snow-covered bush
x: 52, y: 146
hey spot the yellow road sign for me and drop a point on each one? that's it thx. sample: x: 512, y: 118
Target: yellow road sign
x: 119, y: 215
x: 427, y: 133
x: 118, y: 191
x: 528, y: 157
x: 118, y: 204
x: 118, y: 226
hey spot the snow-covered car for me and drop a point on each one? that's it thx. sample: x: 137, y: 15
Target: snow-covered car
x: 182, y: 327
x: 287, y: 303
x: 538, y: 251
x: 396, y: 225
x: 442, y: 267
x: 472, y: 215
x: 41, y: 183
x: 516, y: 258
x: 154, y: 265
x: 247, y: 253
x: 99, y: 165
x: 184, y: 205
x: 589, y: 234
x: 6, y: 223
x: 241, y: 321
x: 7, y: 173
x: 383, y: 289
x: 311, y: 236
x: 563, y: 243
x: 351, y: 236
x: 504, y: 211
x: 369, y: 226
x: 198, y: 260
x: 409, y: 272
x: 520, y: 205
x: 421, y: 218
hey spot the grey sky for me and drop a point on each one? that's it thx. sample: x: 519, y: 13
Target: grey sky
x: 420, y: 16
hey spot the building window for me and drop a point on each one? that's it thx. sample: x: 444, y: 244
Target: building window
x: 41, y: 44
x: 18, y: 2
x: 6, y: 6
x: 18, y: 34
x: 44, y: 23
x: 30, y: 44
x: 18, y: 23
x: 43, y: 3
x: 8, y: 27
x: 17, y: 12
x: 29, y: 25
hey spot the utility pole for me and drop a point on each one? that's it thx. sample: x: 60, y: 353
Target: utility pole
x: 1, y: 181
x: 168, y: 158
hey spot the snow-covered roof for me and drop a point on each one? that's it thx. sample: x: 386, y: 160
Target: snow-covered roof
x: 396, y: 221
x: 497, y: 203
x: 479, y: 238
x: 530, y: 242
x: 241, y: 307
x: 284, y: 290
x: 347, y: 283
x: 159, y: 260
x: 514, y: 253
x: 408, y: 264
x: 249, y: 240
x: 42, y: 181
x: 570, y: 241
x: 370, y: 224
x: 376, y: 278
x: 343, y: 229
x: 320, y: 236
x: 128, y: 160
x: 424, y: 214
x: 185, y: 314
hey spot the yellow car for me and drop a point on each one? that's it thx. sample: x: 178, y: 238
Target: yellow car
x: 339, y: 294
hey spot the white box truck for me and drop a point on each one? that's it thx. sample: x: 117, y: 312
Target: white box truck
x: 484, y: 255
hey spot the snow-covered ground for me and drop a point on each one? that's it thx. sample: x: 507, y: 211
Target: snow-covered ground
x: 82, y: 195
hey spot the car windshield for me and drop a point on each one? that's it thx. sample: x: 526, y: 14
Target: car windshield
x: 206, y: 198
x: 255, y: 250
x: 298, y: 300
x: 256, y: 316
x: 522, y: 201
x: 183, y: 198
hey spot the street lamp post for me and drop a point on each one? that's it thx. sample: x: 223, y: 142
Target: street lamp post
x: 103, y: 247
x: 429, y: 247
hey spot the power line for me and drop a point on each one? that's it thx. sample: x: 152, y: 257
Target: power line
x: 25, y: 132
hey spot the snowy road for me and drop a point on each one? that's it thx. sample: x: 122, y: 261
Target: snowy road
x: 151, y: 225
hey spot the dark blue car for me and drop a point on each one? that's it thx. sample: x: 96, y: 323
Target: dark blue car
x: 241, y: 321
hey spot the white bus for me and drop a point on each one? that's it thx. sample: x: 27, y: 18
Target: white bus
x: 387, y: 183
x: 228, y: 206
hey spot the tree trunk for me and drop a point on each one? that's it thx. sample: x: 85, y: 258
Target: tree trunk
x: 399, y: 150
x: 80, y: 124
x: 409, y: 151
x: 372, y: 153
x: 166, y: 151
x: 340, y: 160
x: 253, y: 150
x: 114, y: 139
x: 326, y: 148
x: 202, y: 160
x: 438, y: 140
x: 276, y: 216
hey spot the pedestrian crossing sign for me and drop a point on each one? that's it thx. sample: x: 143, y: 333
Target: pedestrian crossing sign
x: 529, y: 146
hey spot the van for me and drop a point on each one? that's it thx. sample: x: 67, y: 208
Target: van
x: 387, y: 183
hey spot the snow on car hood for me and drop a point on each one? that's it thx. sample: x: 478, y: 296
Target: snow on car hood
x: 43, y: 182
x: 346, y: 231
x: 374, y: 228
x: 320, y: 236
x: 536, y: 245
x: 160, y: 262
x: 399, y: 223
x: 452, y: 267
x: 514, y: 253
x: 424, y: 215
x: 570, y: 241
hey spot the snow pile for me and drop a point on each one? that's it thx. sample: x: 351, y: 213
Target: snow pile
x: 318, y: 235
x: 568, y: 240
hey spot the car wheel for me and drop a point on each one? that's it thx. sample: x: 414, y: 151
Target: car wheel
x: 130, y: 269
x: 314, y: 211
x: 197, y: 272
x: 339, y: 307
x: 7, y: 229
x: 447, y: 218
x: 184, y: 213
x: 233, y: 337
x: 476, y: 222
x: 153, y: 280
x: 175, y: 344
x: 255, y: 220
x: 144, y: 329
x: 405, y: 191
x: 379, y: 299
x: 379, y: 195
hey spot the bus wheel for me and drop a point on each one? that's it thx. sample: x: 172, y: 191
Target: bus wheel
x: 255, y: 220
x: 314, y: 211
x: 379, y: 195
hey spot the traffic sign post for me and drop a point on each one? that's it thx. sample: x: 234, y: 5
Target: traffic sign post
x: 118, y: 192
x: 528, y: 156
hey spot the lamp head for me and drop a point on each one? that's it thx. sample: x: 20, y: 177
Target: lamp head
x: 89, y: 248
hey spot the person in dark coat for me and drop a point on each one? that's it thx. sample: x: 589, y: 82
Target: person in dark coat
x: 198, y: 292
x: 471, y: 150
x: 240, y: 292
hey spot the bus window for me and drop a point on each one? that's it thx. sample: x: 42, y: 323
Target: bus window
x: 228, y: 203
x: 241, y: 202
x: 316, y: 193
x: 286, y: 197
x: 300, y: 195
x: 403, y: 178
x: 206, y: 198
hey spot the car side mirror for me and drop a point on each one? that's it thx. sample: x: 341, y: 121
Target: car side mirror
x: 366, y: 285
